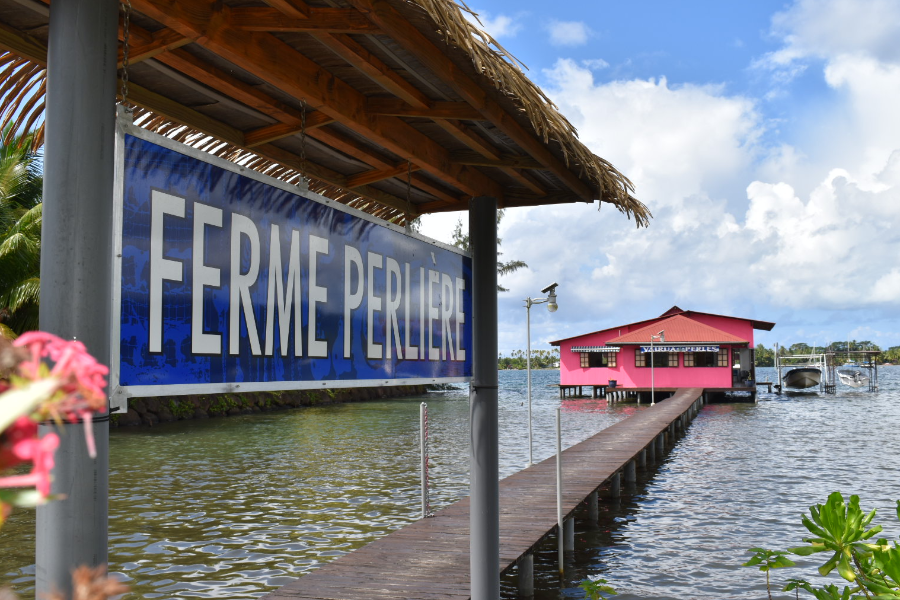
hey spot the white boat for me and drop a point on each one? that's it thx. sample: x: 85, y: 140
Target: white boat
x: 855, y: 379
x: 803, y: 377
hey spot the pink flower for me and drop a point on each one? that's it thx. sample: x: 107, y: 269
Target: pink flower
x: 40, y: 452
x: 13, y: 441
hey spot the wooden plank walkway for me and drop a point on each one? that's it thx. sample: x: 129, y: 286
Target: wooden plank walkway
x: 429, y: 559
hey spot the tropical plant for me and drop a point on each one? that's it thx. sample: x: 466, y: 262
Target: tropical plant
x: 842, y: 530
x: 21, y: 210
x: 767, y: 560
x: 596, y: 588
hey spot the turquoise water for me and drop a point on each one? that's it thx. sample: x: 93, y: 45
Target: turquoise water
x: 233, y: 508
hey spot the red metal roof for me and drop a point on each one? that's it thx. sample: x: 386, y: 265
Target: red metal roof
x: 675, y: 310
x: 678, y: 330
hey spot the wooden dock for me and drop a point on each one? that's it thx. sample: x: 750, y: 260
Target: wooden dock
x: 429, y: 559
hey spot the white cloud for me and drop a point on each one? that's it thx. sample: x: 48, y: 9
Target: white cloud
x: 499, y: 26
x: 671, y: 141
x: 568, y: 33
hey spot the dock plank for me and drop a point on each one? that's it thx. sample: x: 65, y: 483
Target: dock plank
x: 429, y: 559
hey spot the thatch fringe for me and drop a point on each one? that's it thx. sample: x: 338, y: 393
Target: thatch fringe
x: 505, y: 72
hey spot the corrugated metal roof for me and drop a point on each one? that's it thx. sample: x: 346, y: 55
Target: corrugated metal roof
x: 679, y: 330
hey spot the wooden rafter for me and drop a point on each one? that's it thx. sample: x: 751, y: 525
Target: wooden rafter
x: 404, y: 33
x: 280, y: 65
x: 271, y: 133
x: 161, y: 41
x: 332, y: 20
x: 379, y: 175
x: 505, y: 160
x: 227, y: 84
x: 434, y: 110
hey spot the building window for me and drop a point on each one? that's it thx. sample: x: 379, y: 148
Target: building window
x: 723, y: 357
x: 702, y: 359
x: 591, y: 360
x: 660, y: 359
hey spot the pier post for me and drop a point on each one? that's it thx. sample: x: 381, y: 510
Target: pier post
x: 615, y: 486
x: 593, y: 506
x: 570, y: 535
x: 651, y: 451
x: 76, y: 271
x: 484, y: 512
x: 630, y: 472
x: 525, y: 568
x: 661, y: 445
x: 642, y: 461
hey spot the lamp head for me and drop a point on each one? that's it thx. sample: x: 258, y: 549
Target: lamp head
x: 551, y: 300
x: 662, y: 336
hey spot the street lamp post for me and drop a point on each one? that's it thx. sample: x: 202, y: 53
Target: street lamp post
x: 661, y: 337
x: 550, y: 290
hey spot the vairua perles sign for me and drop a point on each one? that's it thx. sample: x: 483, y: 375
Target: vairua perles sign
x: 231, y: 281
x: 660, y: 348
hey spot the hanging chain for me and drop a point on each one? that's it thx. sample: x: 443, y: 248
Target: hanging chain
x: 126, y: 42
x: 304, y: 180
x: 408, y: 186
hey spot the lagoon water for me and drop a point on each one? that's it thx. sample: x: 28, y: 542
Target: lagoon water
x: 236, y: 507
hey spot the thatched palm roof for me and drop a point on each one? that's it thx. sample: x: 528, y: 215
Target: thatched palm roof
x: 421, y: 109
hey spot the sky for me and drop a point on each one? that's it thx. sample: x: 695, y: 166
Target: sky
x: 763, y: 136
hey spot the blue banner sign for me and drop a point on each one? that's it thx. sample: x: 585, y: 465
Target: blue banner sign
x: 228, y: 281
x: 661, y: 348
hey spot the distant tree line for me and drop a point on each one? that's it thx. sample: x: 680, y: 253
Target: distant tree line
x: 540, y: 359
x: 765, y: 357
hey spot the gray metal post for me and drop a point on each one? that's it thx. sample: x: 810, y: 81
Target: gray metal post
x: 630, y: 472
x: 76, y: 268
x: 593, y: 506
x: 651, y: 452
x: 559, y: 513
x: 661, y: 445
x: 525, y: 567
x: 643, y: 459
x: 615, y: 486
x: 484, y: 471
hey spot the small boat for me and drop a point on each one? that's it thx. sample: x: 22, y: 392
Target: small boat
x: 854, y: 379
x: 803, y: 377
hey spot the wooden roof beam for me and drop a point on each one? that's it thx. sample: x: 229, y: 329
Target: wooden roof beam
x: 480, y: 145
x: 396, y: 107
x: 161, y: 41
x: 227, y: 84
x: 329, y: 20
x: 285, y: 68
x: 271, y: 133
x: 505, y: 160
x: 381, y: 13
x: 379, y: 175
x: 190, y: 118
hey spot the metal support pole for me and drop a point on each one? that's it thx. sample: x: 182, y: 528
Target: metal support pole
x: 76, y: 269
x: 528, y: 369
x: 423, y: 453
x: 615, y: 486
x: 525, y: 567
x: 484, y: 512
x: 593, y: 506
x: 559, y: 513
x: 630, y: 472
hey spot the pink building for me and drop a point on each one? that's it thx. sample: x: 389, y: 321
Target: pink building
x: 689, y: 349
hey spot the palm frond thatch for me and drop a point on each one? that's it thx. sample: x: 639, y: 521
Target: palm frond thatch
x: 504, y: 70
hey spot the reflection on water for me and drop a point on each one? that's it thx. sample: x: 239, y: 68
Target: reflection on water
x: 232, y: 508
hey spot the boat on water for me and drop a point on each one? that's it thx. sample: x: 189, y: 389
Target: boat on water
x: 855, y: 379
x: 803, y: 377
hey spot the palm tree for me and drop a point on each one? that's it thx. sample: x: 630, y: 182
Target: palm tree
x: 21, y: 186
x: 461, y: 240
